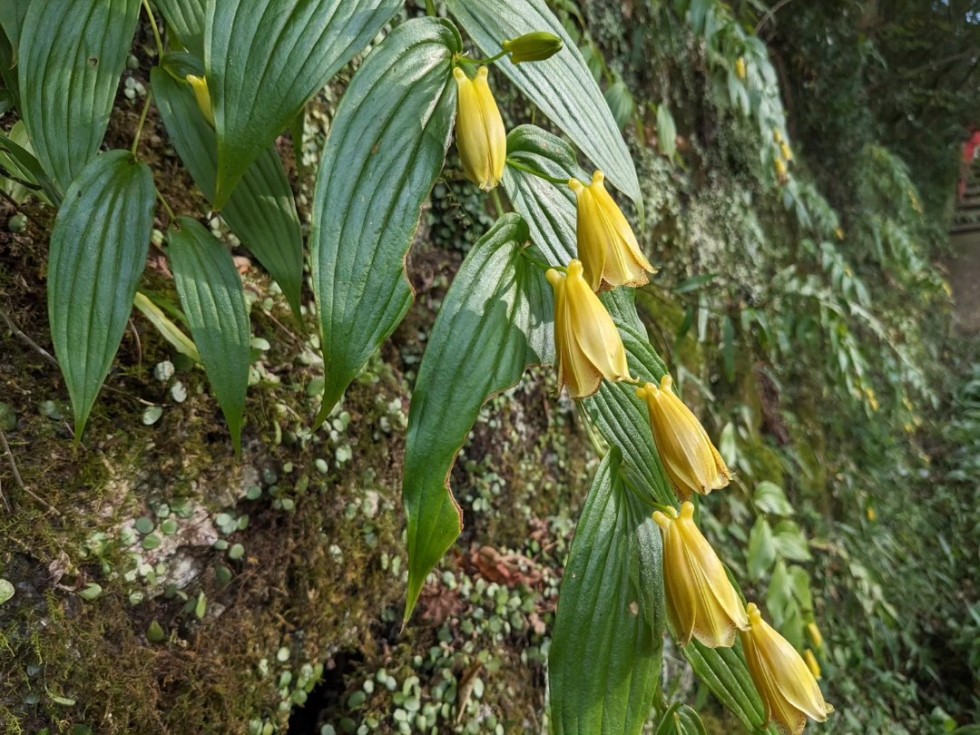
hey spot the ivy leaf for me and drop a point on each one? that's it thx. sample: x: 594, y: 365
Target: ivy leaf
x: 214, y: 301
x: 386, y: 148
x: 607, y: 648
x: 261, y: 211
x: 72, y: 54
x: 265, y: 59
x: 496, y: 320
x: 562, y: 86
x: 98, y: 251
x: 185, y: 18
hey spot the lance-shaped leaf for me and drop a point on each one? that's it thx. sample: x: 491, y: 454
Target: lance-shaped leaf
x: 724, y: 672
x: 496, y: 320
x: 98, y: 251
x: 608, y: 640
x: 261, y: 210
x: 680, y: 719
x: 185, y: 18
x: 562, y: 86
x: 265, y: 59
x: 214, y: 301
x: 12, y: 14
x: 72, y: 53
x: 386, y: 147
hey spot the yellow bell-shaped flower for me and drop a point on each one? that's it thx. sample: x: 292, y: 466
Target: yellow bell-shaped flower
x: 200, y: 87
x: 788, y: 688
x: 607, y: 246
x: 740, y: 71
x: 480, y: 134
x: 589, y: 345
x: 701, y: 601
x: 812, y: 664
x: 816, y: 637
x: 691, y: 460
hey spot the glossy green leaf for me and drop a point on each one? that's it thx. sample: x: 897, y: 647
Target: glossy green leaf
x: 265, y: 59
x: 562, y: 86
x: 495, y: 321
x: 185, y: 19
x: 606, y: 652
x: 72, y: 54
x: 790, y: 542
x: 214, y: 301
x: 386, y: 148
x: 261, y: 210
x: 724, y: 672
x: 680, y: 719
x: 98, y: 251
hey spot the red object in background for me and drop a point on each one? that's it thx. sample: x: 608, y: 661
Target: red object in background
x: 969, y: 154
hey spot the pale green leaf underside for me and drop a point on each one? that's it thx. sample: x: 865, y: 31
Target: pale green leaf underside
x: 607, y: 646
x: 72, y: 53
x: 213, y: 300
x: 98, y: 251
x: 386, y: 148
x: 562, y: 86
x: 261, y: 211
x: 265, y: 59
x: 495, y: 321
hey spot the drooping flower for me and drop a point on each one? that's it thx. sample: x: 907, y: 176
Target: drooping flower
x: 740, y: 70
x: 589, y: 345
x: 812, y: 664
x: 691, y: 460
x: 786, y: 151
x: 782, y: 171
x: 701, y: 601
x: 816, y: 637
x: 200, y: 87
x: 480, y: 134
x: 607, y: 246
x: 788, y: 688
x: 536, y: 46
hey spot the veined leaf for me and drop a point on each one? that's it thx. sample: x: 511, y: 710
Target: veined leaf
x: 607, y: 647
x: 265, y: 59
x: 8, y: 72
x: 170, y: 331
x: 680, y: 719
x: 98, y: 251
x: 496, y: 320
x: 386, y: 147
x: 548, y: 208
x: 724, y: 672
x: 214, y: 301
x: 71, y: 56
x: 12, y: 13
x: 562, y: 86
x: 26, y: 162
x: 261, y: 210
x: 185, y: 18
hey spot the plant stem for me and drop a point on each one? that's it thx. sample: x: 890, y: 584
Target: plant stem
x: 166, y: 206
x: 430, y: 7
x: 498, y: 202
x: 528, y: 170
x: 139, y: 126
x: 153, y: 25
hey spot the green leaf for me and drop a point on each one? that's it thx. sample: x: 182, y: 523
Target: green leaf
x: 621, y: 102
x: 71, y: 58
x: 7, y: 591
x: 213, y: 298
x: 680, y: 719
x: 607, y: 648
x: 724, y: 672
x: 770, y: 498
x: 12, y: 13
x: 16, y: 148
x: 261, y: 211
x: 8, y: 71
x: 98, y: 251
x: 495, y: 321
x: 666, y: 131
x: 386, y: 148
x: 265, y: 59
x: 168, y: 330
x: 762, y: 549
x: 789, y: 541
x: 185, y: 18
x: 548, y: 208
x: 562, y: 86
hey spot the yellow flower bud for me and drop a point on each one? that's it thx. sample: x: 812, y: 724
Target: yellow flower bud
x: 788, y: 688
x: 536, y: 46
x: 589, y: 345
x: 839, y: 233
x: 781, y: 170
x: 607, y: 246
x: 480, y: 134
x: 812, y: 664
x: 786, y: 151
x: 740, y: 70
x: 777, y: 135
x: 691, y: 460
x: 701, y: 601
x: 816, y: 637
x: 872, y: 513
x: 200, y: 87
